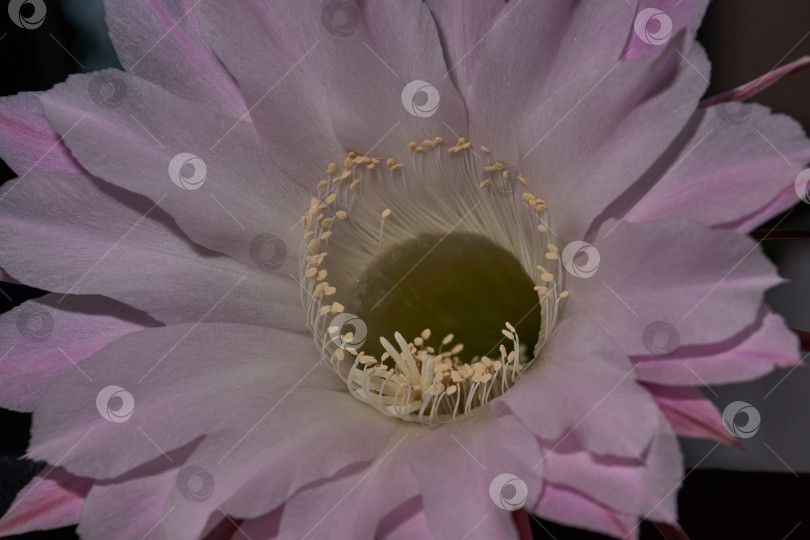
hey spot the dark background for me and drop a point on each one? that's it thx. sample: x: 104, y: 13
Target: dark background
x: 744, y: 39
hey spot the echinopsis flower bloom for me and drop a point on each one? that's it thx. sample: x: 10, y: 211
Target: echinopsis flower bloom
x: 518, y: 237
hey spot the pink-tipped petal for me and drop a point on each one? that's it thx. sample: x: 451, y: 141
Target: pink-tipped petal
x: 766, y: 345
x: 586, y: 384
x: 750, y: 89
x: 50, y: 335
x: 162, y: 41
x: 596, y: 136
x: 689, y: 412
x: 52, y: 499
x: 27, y: 141
x: 570, y: 507
x: 648, y: 485
x: 726, y: 165
x: 646, y: 287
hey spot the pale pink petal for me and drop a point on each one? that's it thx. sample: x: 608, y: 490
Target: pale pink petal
x: 179, y: 392
x: 465, y: 458
x: 721, y: 169
x: 287, y: 94
x: 96, y: 238
x: 132, y: 506
x: 374, y: 75
x: 27, y: 141
x: 463, y: 26
x: 261, y: 528
x: 549, y: 47
x: 759, y: 349
x: 162, y: 42
x: 52, y: 499
x: 377, y: 486
x: 46, y: 337
x: 583, y: 382
x: 570, y: 507
x: 785, y: 200
x: 647, y: 276
x: 236, y: 194
x: 407, y: 521
x: 690, y: 413
x: 679, y: 14
x: 750, y: 89
x: 644, y: 487
x: 299, y: 437
x: 581, y: 151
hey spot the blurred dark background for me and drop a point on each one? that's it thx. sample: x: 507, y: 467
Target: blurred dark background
x: 744, y: 39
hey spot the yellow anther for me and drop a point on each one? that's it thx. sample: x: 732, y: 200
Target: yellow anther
x: 322, y: 185
x: 331, y: 169
x: 355, y: 184
x: 386, y: 213
x: 523, y: 181
x: 341, y: 214
x: 484, y: 149
x: 331, y: 198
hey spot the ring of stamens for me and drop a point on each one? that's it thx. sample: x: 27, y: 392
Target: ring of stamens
x: 424, y: 379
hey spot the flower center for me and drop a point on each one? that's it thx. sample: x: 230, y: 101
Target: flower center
x: 413, y: 270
